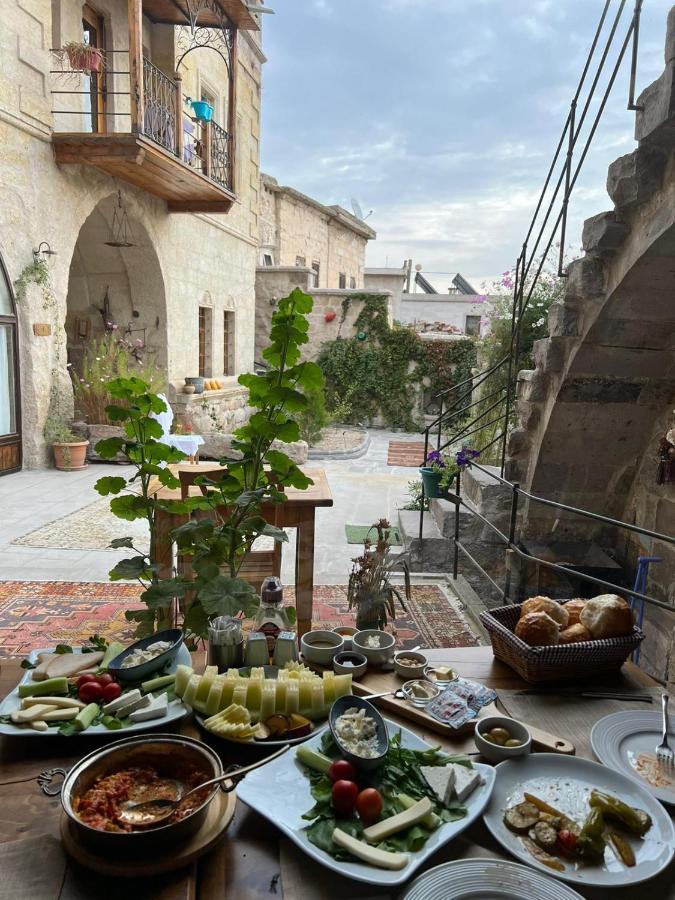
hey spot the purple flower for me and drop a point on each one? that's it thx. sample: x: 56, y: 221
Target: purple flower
x: 464, y: 456
x: 435, y: 459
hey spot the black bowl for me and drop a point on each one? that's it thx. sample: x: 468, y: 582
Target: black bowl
x: 140, y: 673
x: 350, y: 702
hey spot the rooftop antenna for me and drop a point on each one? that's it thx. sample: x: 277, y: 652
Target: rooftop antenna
x: 358, y: 212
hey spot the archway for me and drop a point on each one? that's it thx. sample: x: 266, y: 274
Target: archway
x: 115, y: 292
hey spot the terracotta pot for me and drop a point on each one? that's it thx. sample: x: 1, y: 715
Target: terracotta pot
x: 70, y: 457
x: 84, y: 60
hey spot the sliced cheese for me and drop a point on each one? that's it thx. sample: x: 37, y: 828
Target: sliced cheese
x: 65, y: 702
x: 31, y: 714
x: 70, y: 664
x: 466, y: 780
x: 374, y: 834
x: 122, y: 700
x: 140, y: 703
x: 60, y: 715
x: 441, y: 780
x: 383, y: 859
x: 156, y: 710
x: 38, y: 725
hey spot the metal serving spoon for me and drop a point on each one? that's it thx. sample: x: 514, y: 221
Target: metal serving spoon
x: 149, y: 812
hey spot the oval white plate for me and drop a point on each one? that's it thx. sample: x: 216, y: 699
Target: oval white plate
x: 486, y: 879
x: 619, y: 738
x: 280, y: 792
x: 175, y: 712
x: 566, y: 783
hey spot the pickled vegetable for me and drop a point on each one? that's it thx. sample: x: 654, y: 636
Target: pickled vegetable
x: 637, y: 821
x: 542, y: 856
x: 623, y: 849
x: 565, y: 821
x: 522, y: 817
x: 591, y: 843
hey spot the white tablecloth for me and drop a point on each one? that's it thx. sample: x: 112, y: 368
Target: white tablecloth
x: 188, y: 443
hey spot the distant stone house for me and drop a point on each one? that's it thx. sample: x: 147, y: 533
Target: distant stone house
x: 84, y: 152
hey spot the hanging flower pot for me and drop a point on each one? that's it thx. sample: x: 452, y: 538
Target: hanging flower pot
x: 329, y: 316
x: 431, y: 480
x: 83, y: 58
x: 203, y: 111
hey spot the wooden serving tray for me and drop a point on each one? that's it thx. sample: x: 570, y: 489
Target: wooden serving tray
x: 376, y: 681
x: 219, y: 816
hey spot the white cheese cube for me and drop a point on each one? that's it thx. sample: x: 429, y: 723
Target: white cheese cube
x: 156, y: 710
x: 466, y: 780
x: 140, y: 703
x: 441, y: 780
x: 122, y: 701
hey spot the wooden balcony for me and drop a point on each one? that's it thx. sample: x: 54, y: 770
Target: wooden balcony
x: 141, y: 130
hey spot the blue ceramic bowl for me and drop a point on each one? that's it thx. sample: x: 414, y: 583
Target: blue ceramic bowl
x: 350, y: 702
x: 143, y: 672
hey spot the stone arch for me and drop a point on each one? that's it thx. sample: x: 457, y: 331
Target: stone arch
x: 130, y: 277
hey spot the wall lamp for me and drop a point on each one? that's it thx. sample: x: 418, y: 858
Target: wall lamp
x: 45, y: 249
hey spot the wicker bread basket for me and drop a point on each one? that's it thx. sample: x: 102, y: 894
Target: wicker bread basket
x: 558, y: 662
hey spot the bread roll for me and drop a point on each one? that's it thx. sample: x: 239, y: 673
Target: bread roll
x: 538, y: 629
x: 545, y: 604
x: 575, y: 633
x: 607, y: 616
x: 573, y: 608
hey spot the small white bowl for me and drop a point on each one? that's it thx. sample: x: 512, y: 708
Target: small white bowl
x: 408, y: 672
x: 321, y: 656
x: 432, y: 691
x: 430, y: 673
x: 376, y: 656
x: 495, y: 753
x: 347, y: 633
x: 356, y: 667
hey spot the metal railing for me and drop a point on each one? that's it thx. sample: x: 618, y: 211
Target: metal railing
x: 513, y: 544
x: 492, y: 421
x: 101, y: 102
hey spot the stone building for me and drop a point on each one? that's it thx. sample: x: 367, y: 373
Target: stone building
x: 145, y: 215
x: 296, y: 230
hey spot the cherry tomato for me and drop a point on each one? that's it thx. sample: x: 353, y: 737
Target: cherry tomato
x: 111, y: 691
x: 90, y: 692
x: 369, y: 805
x: 344, y: 797
x: 104, y: 678
x: 83, y: 679
x: 341, y: 770
x: 567, y: 841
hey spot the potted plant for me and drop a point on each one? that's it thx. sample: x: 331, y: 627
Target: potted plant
x: 370, y: 589
x: 70, y: 453
x: 202, y: 109
x: 438, y: 473
x: 83, y: 57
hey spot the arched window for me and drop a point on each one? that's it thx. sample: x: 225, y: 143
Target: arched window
x: 10, y: 412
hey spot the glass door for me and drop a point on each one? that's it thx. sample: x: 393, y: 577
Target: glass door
x: 95, y: 101
x: 10, y: 418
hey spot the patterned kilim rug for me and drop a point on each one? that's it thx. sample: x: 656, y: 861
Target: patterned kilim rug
x: 405, y: 453
x: 41, y: 613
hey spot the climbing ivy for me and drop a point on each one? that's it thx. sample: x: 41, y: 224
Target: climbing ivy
x: 384, y: 374
x: 38, y: 273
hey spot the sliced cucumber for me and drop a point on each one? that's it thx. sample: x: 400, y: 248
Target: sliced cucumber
x: 48, y: 686
x: 86, y: 716
x: 313, y: 759
x: 158, y: 684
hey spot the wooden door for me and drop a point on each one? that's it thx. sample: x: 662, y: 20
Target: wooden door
x: 10, y: 405
x: 93, y: 34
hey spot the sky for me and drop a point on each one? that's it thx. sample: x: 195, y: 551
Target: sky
x: 442, y: 116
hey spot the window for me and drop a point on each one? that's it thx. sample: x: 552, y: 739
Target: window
x: 209, y: 98
x: 316, y: 269
x: 300, y: 261
x: 342, y: 280
x: 472, y: 325
x: 205, y: 332
x: 352, y: 282
x: 228, y: 342
x: 267, y: 259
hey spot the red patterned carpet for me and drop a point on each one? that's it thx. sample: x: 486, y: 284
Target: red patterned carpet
x: 405, y: 453
x: 42, y: 613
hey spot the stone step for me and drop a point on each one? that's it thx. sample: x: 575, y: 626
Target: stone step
x: 434, y: 554
x: 443, y: 514
x: 489, y: 496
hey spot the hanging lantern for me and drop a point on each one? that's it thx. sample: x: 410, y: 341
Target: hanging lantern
x: 330, y: 315
x: 121, y: 234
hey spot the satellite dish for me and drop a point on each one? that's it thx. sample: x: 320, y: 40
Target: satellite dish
x: 358, y: 212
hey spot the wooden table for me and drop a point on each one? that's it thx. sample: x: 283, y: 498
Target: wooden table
x: 297, y: 511
x: 254, y: 862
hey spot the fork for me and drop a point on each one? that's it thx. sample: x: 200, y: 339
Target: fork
x: 663, y: 752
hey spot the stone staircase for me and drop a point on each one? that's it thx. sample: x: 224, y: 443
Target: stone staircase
x: 435, y: 553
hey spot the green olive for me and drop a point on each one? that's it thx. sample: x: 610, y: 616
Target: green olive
x: 513, y: 742
x: 499, y: 736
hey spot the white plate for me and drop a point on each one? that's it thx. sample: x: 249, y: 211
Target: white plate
x: 566, y: 783
x: 176, y: 710
x: 621, y: 739
x: 486, y: 879
x: 281, y: 792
